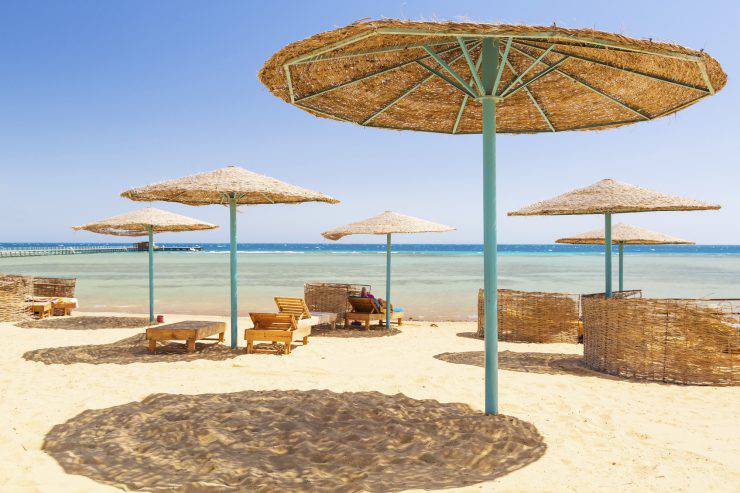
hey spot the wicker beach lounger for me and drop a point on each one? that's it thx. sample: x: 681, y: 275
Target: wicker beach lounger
x: 367, y: 309
x: 189, y: 330
x: 277, y: 328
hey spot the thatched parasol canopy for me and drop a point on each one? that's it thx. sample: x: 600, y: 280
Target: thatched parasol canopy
x: 137, y: 223
x: 386, y: 223
x: 391, y: 74
x: 626, y: 235
x: 611, y: 196
x: 215, y: 187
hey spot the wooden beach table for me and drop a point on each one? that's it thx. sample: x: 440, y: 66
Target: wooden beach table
x: 189, y: 330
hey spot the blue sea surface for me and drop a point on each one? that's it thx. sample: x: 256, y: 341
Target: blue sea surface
x: 415, y: 248
x: 433, y: 281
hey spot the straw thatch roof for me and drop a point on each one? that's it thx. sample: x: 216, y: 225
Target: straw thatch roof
x: 214, y: 187
x: 379, y: 74
x: 136, y: 223
x: 611, y: 196
x: 626, y: 234
x: 387, y: 222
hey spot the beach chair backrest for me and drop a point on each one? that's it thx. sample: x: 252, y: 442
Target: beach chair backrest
x: 294, y: 306
x: 273, y: 321
x: 364, y: 305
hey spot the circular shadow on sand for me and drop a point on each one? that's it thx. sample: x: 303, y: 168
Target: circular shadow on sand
x: 550, y: 363
x: 353, y: 333
x: 85, y: 323
x: 129, y: 350
x: 293, y: 440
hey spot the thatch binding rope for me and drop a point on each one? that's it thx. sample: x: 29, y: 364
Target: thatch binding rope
x: 331, y: 297
x: 527, y: 316
x: 14, y: 290
x: 687, y: 341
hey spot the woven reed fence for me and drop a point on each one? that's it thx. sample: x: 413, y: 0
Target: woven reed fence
x: 526, y: 316
x: 14, y: 290
x: 331, y: 297
x: 685, y: 341
x: 54, y: 287
x: 529, y: 316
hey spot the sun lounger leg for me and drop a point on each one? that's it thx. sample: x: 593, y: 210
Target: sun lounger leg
x: 221, y: 337
x: 287, y: 348
x: 400, y: 321
x: 191, y: 345
x: 250, y: 346
x: 152, y: 346
x: 305, y: 340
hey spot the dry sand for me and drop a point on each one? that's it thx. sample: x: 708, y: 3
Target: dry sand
x: 599, y: 434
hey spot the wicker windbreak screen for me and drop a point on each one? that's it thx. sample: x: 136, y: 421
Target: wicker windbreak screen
x: 678, y: 341
x: 331, y: 297
x: 525, y: 316
x: 54, y: 287
x: 14, y: 290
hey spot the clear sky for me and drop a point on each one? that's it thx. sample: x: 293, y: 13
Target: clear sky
x: 99, y: 96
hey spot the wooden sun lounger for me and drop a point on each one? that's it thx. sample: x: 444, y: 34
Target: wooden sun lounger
x: 367, y: 309
x: 294, y: 306
x: 298, y: 308
x: 276, y: 328
x: 41, y: 309
x: 189, y: 330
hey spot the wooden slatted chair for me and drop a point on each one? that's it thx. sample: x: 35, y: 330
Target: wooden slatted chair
x: 367, y: 309
x: 276, y: 328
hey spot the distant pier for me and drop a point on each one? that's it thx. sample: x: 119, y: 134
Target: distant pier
x: 76, y: 250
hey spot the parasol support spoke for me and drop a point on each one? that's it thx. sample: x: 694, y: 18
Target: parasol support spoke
x: 448, y: 80
x: 526, y: 71
x: 537, y: 105
x: 541, y: 74
x: 368, y: 76
x: 462, y: 82
x: 473, y: 67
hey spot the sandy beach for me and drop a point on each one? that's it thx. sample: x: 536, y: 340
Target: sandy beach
x: 574, y: 429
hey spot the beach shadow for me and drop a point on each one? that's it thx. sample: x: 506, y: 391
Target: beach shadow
x: 549, y: 363
x: 353, y: 333
x: 85, y: 323
x: 291, y: 440
x: 130, y: 350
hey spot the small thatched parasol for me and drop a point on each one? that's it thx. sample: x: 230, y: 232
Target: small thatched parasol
x: 387, y: 223
x: 465, y: 77
x: 143, y: 222
x: 230, y: 186
x: 610, y: 197
x: 624, y: 234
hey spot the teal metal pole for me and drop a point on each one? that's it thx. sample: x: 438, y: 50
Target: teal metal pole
x: 621, y: 266
x: 232, y: 268
x: 489, y: 69
x: 608, y: 254
x: 151, y: 275
x: 388, y: 281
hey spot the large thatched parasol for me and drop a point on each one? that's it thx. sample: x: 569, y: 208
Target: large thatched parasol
x: 143, y: 222
x: 623, y: 234
x: 463, y: 77
x: 234, y: 186
x: 610, y: 197
x: 387, y: 223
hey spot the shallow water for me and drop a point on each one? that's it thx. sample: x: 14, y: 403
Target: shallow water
x: 436, y: 281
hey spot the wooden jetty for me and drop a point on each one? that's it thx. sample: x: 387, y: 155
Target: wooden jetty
x: 75, y: 250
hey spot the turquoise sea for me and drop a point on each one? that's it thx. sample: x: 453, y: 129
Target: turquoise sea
x: 430, y: 281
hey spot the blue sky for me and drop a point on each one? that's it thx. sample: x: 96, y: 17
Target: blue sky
x: 98, y: 96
